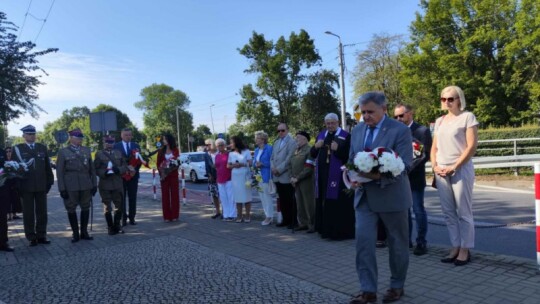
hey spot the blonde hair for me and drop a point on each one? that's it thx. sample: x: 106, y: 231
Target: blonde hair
x: 459, y: 91
x: 210, y: 142
x: 262, y: 135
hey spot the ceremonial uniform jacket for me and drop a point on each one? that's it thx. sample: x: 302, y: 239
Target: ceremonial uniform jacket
x: 75, y: 169
x: 111, y: 181
x: 39, y: 176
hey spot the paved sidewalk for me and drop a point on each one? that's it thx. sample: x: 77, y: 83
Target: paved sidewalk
x: 200, y: 260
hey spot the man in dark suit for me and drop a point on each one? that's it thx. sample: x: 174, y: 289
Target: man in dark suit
x: 417, y: 175
x: 34, y: 186
x: 126, y: 146
x: 385, y: 197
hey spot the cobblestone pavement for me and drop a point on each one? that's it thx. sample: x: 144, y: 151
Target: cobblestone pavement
x: 200, y: 260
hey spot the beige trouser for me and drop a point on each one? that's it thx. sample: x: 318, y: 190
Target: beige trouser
x: 455, y: 194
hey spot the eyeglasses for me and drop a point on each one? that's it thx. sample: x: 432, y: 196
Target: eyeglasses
x: 281, y: 131
x: 368, y: 112
x: 400, y: 115
x: 449, y: 99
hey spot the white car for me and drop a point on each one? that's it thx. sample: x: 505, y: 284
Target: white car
x: 193, y: 165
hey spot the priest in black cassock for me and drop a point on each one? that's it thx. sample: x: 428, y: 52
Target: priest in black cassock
x: 334, y: 214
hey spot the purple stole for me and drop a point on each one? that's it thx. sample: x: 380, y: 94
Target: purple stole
x: 334, y: 172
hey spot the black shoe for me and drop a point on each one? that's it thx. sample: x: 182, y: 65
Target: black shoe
x: 43, y: 241
x: 16, y: 217
x: 420, y: 249
x: 301, y: 228
x: 311, y: 230
x: 215, y: 216
x: 449, y: 259
x: 281, y: 225
x: 132, y: 222
x: 33, y: 243
x: 6, y: 248
x: 459, y: 262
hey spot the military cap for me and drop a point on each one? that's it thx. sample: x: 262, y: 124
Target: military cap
x: 109, y: 139
x: 305, y: 134
x: 29, y: 129
x: 76, y: 133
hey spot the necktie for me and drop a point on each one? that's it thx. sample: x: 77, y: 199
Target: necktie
x: 32, y: 146
x: 369, y: 139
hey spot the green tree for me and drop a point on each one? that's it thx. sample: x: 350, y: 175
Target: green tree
x: 159, y: 103
x: 378, y: 67
x: 279, y: 68
x: 200, y: 135
x: 18, y: 73
x: 255, y: 112
x: 319, y: 100
x: 477, y: 46
x: 70, y: 119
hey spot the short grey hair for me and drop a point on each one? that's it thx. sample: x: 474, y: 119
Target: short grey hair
x: 220, y: 141
x: 460, y: 93
x: 331, y: 116
x: 210, y: 142
x: 262, y: 135
x: 376, y: 97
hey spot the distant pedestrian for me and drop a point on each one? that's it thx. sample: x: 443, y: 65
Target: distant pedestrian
x: 167, y: 162
x: 77, y: 183
x: 262, y: 155
x: 110, y: 165
x: 4, y: 206
x: 223, y: 178
x: 334, y: 213
x: 240, y: 162
x: 34, y: 186
x: 14, y: 198
x: 454, y: 144
x: 302, y: 179
x: 282, y: 151
x: 417, y: 174
x: 131, y: 181
x: 210, y: 166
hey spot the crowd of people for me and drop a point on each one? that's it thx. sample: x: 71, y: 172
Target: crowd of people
x: 307, y: 180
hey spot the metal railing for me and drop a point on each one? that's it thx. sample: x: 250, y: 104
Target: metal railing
x: 510, y: 161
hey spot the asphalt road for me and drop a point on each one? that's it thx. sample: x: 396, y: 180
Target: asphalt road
x: 492, y: 206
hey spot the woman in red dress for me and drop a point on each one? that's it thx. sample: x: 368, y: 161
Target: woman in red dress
x: 168, y: 159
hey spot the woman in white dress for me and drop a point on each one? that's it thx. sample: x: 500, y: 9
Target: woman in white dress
x: 240, y: 163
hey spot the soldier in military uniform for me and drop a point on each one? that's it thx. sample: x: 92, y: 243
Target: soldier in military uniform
x: 38, y: 180
x: 77, y: 182
x: 110, y: 165
x: 301, y: 168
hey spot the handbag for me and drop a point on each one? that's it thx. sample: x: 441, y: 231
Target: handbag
x: 271, y: 187
x: 434, y: 182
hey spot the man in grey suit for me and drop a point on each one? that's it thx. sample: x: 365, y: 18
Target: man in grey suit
x: 282, y: 151
x: 386, y: 198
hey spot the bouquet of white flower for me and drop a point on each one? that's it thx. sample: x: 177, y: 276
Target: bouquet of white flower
x: 11, y: 169
x: 379, y: 160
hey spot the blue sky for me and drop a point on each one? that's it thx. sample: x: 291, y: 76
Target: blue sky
x: 110, y: 50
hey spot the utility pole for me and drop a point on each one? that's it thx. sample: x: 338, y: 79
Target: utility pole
x: 341, y: 80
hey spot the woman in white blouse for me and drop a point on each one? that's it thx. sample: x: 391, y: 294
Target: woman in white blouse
x: 454, y: 144
x: 240, y: 163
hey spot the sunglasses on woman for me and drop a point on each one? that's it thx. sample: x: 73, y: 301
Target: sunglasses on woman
x: 449, y: 99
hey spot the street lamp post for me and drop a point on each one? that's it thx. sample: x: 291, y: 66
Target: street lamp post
x: 178, y: 129
x: 341, y: 79
x: 212, y: 119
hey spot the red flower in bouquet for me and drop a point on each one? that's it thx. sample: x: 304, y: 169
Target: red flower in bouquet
x: 418, y: 148
x: 135, y: 160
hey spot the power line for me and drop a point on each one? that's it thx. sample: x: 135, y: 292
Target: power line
x: 24, y: 21
x: 44, y: 20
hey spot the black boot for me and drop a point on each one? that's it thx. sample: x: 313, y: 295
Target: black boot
x: 85, y: 214
x: 117, y: 219
x: 109, y: 219
x: 74, y: 226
